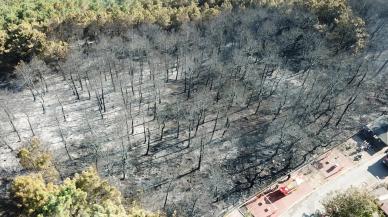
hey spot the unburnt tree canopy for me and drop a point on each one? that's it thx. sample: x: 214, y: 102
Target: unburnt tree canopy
x: 45, y: 27
x: 85, y: 194
x: 345, y: 29
x: 352, y: 202
x: 34, y: 158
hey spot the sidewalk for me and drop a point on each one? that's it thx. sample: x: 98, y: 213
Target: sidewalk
x: 335, y: 170
x: 360, y: 175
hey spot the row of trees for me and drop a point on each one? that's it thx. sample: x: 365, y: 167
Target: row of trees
x: 45, y: 27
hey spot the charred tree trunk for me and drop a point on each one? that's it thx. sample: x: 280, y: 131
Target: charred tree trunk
x: 200, y: 156
x: 62, y: 109
x: 63, y: 139
x: 215, y: 126
x: 350, y: 102
x: 178, y: 129
x: 148, y: 143
x: 12, y: 124
x: 162, y: 131
x: 29, y: 124
x: 74, y: 87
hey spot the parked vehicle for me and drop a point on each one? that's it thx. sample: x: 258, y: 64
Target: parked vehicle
x: 385, y: 160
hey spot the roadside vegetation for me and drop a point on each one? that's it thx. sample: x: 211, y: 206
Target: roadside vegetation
x: 353, y: 202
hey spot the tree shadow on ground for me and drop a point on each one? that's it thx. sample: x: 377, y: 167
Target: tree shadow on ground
x: 7, y: 207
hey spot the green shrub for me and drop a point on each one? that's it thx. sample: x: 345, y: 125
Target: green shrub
x: 352, y: 202
x: 85, y: 194
x: 30, y: 193
x: 34, y: 158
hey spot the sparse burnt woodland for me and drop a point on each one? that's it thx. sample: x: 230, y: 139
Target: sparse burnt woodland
x: 195, y: 119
